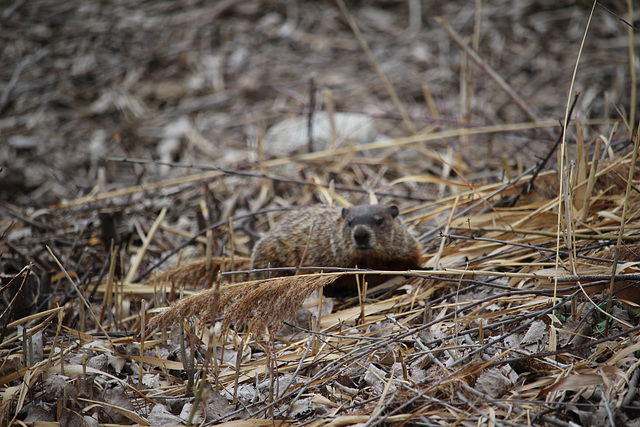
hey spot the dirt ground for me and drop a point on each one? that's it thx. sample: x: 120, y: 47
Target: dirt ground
x: 199, y: 95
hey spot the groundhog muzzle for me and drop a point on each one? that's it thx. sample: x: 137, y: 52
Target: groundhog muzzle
x: 366, y: 236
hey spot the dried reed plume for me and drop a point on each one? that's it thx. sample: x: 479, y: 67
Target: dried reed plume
x: 254, y: 305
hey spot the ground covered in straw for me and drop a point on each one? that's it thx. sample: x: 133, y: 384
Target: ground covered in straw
x: 146, y: 145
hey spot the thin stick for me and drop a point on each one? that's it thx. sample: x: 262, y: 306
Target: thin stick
x: 614, y: 267
x: 544, y: 162
x: 84, y: 301
x: 592, y: 179
x: 385, y: 81
x: 632, y: 68
x: 12, y: 304
x: 143, y: 333
x: 563, y: 158
x: 443, y: 239
x: 138, y: 259
x: 330, y: 108
x: 489, y: 71
x: 5, y: 97
x: 310, y: 111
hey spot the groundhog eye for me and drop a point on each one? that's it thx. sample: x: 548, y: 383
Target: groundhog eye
x: 379, y: 221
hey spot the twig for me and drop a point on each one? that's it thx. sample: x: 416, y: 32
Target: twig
x: 601, y: 277
x: 520, y: 245
x: 543, y: 163
x: 632, y: 72
x: 147, y: 241
x: 562, y: 166
x: 385, y: 81
x: 12, y: 304
x: 8, y: 90
x: 623, y: 220
x: 311, y: 109
x: 9, y: 11
x: 612, y: 419
x: 627, y: 23
x: 633, y: 388
x: 594, y: 237
x: 489, y: 71
x: 81, y: 296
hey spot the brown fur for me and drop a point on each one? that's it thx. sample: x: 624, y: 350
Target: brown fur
x: 367, y: 236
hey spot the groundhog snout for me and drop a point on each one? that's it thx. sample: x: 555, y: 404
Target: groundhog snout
x: 362, y: 238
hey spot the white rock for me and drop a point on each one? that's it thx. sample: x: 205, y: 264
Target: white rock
x: 291, y: 134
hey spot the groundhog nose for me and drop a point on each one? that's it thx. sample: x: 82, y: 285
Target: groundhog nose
x: 362, y: 238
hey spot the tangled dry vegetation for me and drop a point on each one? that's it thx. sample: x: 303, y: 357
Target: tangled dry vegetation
x: 125, y: 293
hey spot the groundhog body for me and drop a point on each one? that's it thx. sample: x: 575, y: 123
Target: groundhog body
x: 367, y: 236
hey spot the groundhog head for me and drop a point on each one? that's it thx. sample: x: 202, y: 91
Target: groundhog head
x: 368, y: 226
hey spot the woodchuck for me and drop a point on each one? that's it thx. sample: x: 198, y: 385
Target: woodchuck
x: 366, y: 236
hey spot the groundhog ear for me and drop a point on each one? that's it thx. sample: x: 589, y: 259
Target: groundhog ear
x: 394, y: 211
x: 345, y: 212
